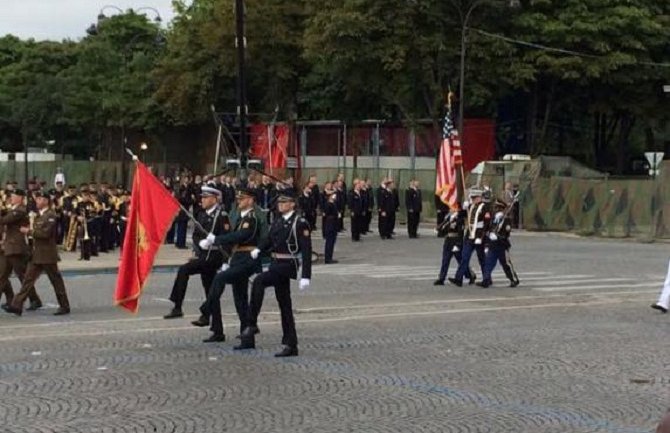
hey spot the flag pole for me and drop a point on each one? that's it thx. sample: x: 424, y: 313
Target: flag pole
x: 460, y: 182
x: 189, y: 214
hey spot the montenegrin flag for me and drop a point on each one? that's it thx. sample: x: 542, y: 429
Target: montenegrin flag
x: 152, y: 209
x: 448, y: 162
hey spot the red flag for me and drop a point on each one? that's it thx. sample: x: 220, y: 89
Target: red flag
x: 152, y: 209
x: 449, y: 160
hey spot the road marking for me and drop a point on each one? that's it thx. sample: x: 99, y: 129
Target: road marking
x: 322, y: 320
x: 599, y: 286
x: 346, y: 307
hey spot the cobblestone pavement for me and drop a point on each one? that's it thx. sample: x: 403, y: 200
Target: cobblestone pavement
x: 575, y: 348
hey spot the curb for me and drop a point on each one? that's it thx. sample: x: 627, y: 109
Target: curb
x: 74, y: 272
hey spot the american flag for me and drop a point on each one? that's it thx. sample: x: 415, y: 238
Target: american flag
x: 448, y: 161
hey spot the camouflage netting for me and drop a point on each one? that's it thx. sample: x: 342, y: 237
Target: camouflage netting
x: 602, y: 207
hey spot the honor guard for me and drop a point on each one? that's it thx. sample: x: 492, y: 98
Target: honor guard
x: 214, y: 219
x: 243, y: 240
x: 44, y: 258
x: 476, y: 227
x: 290, y: 245
x: 451, y: 230
x: 498, y: 246
x: 357, y: 210
x: 329, y: 226
x: 414, y: 206
x: 16, y: 246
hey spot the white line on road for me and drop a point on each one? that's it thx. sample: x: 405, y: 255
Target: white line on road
x: 322, y: 320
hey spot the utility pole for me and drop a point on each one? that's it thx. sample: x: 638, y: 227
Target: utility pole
x: 242, y: 111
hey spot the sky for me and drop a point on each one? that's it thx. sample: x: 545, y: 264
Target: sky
x: 61, y: 19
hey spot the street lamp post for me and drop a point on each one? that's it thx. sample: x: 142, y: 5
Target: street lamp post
x: 242, y: 110
x: 465, y: 15
x: 94, y: 30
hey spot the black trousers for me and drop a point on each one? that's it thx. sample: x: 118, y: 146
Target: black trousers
x: 357, y: 226
x: 238, y: 277
x: 282, y: 285
x: 180, y: 229
x: 413, y: 219
x: 207, y: 270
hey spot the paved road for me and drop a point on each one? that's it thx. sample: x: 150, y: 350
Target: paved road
x: 575, y: 348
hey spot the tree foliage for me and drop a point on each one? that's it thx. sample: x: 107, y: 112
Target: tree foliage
x: 579, y: 77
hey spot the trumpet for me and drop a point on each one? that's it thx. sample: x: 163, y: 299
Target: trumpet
x: 85, y: 223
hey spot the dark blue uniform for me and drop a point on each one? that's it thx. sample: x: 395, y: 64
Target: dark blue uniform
x: 289, y: 243
x: 330, y: 229
x: 451, y: 230
x: 414, y: 206
x: 498, y: 247
x: 477, y: 225
x: 207, y: 262
x: 357, y: 209
x: 243, y: 239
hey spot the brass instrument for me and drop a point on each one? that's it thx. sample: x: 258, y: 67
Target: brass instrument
x: 70, y: 243
x: 85, y: 223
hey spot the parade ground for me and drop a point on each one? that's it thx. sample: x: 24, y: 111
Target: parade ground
x: 574, y: 348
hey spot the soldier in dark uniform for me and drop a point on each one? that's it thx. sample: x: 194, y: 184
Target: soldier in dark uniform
x: 476, y: 227
x: 340, y: 203
x: 265, y: 195
x: 330, y: 225
x: 290, y: 244
x: 215, y: 220
x: 451, y: 230
x: 308, y: 206
x: 15, y: 245
x: 414, y: 205
x: 396, y: 207
x: 44, y: 258
x: 185, y: 198
x: 85, y: 216
x: 243, y: 239
x: 124, y: 205
x: 442, y: 210
x: 498, y: 247
x: 104, y: 221
x: 385, y: 208
x: 357, y: 210
x: 57, y: 195
x: 369, y: 197
x: 315, y: 194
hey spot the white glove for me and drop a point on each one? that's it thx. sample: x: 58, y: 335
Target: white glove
x: 453, y: 217
x: 224, y: 267
x: 254, y: 253
x: 493, y: 236
x: 204, y: 244
x: 211, y: 238
x: 486, y: 250
x: 466, y: 204
x: 304, y: 284
x: 455, y: 249
x: 478, y: 241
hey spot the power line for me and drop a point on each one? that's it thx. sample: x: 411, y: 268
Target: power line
x: 558, y: 50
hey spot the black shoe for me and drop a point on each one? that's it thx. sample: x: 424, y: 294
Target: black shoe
x: 174, y: 314
x: 483, y: 284
x: 456, y: 282
x: 62, y: 311
x: 245, y: 344
x: 473, y: 278
x: 34, y: 306
x: 654, y: 306
x: 13, y: 310
x: 201, y: 322
x: 215, y: 338
x: 331, y: 262
x: 438, y: 283
x: 514, y: 283
x: 287, y: 351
